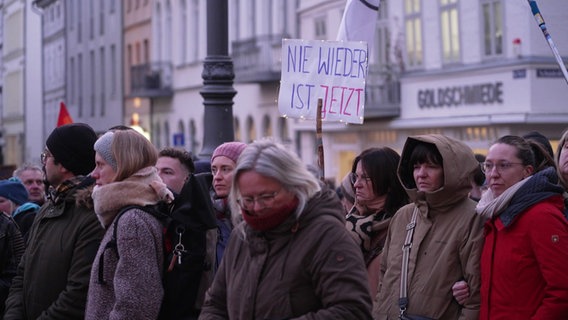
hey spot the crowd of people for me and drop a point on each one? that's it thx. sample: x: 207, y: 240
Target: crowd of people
x: 109, y: 227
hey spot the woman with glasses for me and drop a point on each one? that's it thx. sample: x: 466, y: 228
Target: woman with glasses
x: 378, y: 195
x: 524, y: 259
x: 291, y: 257
x: 436, y: 240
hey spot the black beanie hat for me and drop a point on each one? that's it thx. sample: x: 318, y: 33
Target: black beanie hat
x: 72, y: 146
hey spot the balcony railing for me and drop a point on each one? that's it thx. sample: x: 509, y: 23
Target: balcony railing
x: 258, y: 59
x: 382, y: 94
x: 151, y: 80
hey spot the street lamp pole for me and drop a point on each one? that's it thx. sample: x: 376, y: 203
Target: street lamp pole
x: 218, y: 75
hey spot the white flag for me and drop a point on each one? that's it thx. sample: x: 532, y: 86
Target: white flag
x: 359, y: 21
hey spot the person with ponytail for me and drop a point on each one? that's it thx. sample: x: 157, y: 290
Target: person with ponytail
x: 289, y: 255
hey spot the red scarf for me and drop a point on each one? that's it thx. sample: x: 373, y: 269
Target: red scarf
x: 271, y: 219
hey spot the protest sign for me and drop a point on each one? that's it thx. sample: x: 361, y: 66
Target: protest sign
x: 334, y: 71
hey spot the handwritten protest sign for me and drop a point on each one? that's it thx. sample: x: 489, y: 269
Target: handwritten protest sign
x: 333, y: 71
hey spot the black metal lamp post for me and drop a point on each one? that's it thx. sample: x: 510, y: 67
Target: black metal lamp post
x: 218, y: 75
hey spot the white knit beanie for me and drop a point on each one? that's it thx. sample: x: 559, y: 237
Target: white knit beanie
x: 103, y: 147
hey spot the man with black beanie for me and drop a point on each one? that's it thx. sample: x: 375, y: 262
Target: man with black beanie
x: 53, y: 276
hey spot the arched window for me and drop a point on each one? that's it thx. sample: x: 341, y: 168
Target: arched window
x: 284, y: 132
x: 251, y: 130
x: 192, y: 140
x: 183, y: 32
x: 266, y: 126
x: 181, y: 134
x: 237, y: 129
x: 158, y: 33
x: 167, y: 134
x: 168, y: 34
x: 156, y: 135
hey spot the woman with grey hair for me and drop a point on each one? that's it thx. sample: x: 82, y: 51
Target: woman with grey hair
x: 291, y: 256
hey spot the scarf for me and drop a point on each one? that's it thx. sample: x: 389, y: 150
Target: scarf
x: 369, y: 231
x: 271, y: 219
x: 57, y: 195
x: 141, y: 189
x: 490, y: 206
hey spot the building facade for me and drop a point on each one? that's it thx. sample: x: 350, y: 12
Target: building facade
x: 53, y: 58
x: 94, y: 75
x: 143, y: 79
x: 21, y: 98
x: 472, y: 70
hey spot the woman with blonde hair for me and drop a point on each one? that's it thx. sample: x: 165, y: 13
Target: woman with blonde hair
x: 127, y: 271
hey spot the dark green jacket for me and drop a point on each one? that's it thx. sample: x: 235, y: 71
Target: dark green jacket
x: 53, y: 277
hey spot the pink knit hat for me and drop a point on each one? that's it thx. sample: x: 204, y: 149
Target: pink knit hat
x: 231, y: 150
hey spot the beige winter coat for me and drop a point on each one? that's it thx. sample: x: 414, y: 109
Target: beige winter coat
x: 447, y: 240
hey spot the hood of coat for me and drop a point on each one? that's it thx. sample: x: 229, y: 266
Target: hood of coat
x: 459, y: 163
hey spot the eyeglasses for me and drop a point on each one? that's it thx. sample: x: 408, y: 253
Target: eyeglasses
x: 264, y: 201
x: 353, y: 176
x: 487, y: 167
x: 44, y: 155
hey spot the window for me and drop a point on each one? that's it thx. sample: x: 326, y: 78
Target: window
x: 113, y: 72
x: 251, y: 19
x: 103, y: 82
x: 413, y: 29
x: 129, y: 56
x: 158, y: 35
x: 79, y: 24
x: 194, y: 30
x: 102, y: 18
x: 320, y: 28
x: 183, y: 32
x: 71, y: 16
x: 92, y: 20
x: 236, y: 18
x: 72, y: 80
x: 112, y: 6
x: 93, y: 81
x: 449, y: 23
x: 251, y: 130
x: 492, y: 27
x: 267, y: 126
x: 380, y: 54
x: 192, y: 137
x: 138, y: 53
x: 80, y: 83
x: 146, y: 51
x: 168, y: 35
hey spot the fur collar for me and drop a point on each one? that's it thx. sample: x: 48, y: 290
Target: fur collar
x: 142, y: 188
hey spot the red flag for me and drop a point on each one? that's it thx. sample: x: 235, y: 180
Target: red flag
x: 64, y: 117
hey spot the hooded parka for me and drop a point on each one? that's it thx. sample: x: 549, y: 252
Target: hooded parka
x: 447, y: 240
x: 305, y: 268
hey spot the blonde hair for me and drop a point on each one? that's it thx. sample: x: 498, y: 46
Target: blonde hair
x: 132, y: 152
